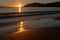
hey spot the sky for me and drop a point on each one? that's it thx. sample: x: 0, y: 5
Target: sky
x: 15, y: 2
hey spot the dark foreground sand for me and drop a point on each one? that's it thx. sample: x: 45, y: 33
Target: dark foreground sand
x: 36, y: 34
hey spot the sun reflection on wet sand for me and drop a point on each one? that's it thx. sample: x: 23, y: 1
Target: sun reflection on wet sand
x: 21, y: 28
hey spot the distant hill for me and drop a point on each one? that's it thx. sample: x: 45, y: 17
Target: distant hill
x: 54, y: 4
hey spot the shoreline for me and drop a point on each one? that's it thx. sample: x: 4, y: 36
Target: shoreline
x: 36, y: 34
x: 25, y: 14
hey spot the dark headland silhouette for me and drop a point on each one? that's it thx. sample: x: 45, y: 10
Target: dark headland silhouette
x: 53, y: 4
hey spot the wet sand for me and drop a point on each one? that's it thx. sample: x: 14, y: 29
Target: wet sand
x: 52, y: 33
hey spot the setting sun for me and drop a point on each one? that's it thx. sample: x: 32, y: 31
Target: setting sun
x: 19, y: 5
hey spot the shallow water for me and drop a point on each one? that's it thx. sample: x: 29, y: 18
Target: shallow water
x: 29, y: 9
x: 32, y: 22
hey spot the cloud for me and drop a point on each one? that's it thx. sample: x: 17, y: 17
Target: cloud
x: 25, y: 1
x: 42, y: 1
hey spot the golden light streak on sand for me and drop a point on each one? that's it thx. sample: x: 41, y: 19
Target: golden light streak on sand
x: 21, y: 28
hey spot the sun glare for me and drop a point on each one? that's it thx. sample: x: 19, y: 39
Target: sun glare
x: 19, y: 6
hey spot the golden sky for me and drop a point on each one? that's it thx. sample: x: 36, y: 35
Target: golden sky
x: 14, y: 3
x: 11, y: 3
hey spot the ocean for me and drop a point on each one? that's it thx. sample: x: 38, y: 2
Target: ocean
x: 29, y: 9
x: 31, y: 22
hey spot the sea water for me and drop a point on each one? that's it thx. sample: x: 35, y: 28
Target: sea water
x: 29, y: 9
x: 38, y: 21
